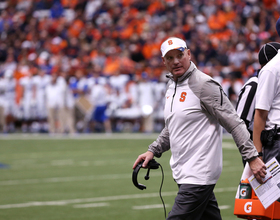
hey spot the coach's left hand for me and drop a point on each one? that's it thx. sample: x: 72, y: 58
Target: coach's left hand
x: 258, y: 168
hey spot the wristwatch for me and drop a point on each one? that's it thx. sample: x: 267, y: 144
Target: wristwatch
x: 260, y: 154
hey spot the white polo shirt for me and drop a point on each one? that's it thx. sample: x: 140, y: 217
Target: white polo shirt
x: 196, y: 155
x: 196, y: 107
x: 268, y: 91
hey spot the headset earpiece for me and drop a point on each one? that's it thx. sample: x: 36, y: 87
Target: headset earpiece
x: 134, y: 177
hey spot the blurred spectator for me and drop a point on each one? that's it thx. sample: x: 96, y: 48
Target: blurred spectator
x: 146, y: 102
x: 11, y: 108
x: 124, y: 108
x: 118, y: 81
x: 28, y: 100
x: 40, y: 83
x: 3, y: 126
x: 69, y: 106
x: 56, y: 10
x: 55, y: 103
x: 99, y: 97
x: 79, y: 86
x: 159, y: 93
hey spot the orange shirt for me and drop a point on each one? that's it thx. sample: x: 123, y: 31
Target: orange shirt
x: 55, y: 48
x: 149, y: 48
x: 76, y: 28
x: 155, y: 6
x: 112, y: 65
x: 126, y: 3
x: 230, y: 16
x: 217, y: 21
x: 218, y: 36
x: 127, y: 32
x: 69, y: 3
x: 127, y: 65
x: 269, y: 3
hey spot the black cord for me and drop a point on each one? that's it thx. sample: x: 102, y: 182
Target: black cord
x: 160, y: 191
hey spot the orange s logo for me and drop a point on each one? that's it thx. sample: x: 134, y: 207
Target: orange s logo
x: 183, y: 96
x: 170, y: 42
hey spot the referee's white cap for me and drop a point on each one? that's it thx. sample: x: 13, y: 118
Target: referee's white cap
x: 171, y: 44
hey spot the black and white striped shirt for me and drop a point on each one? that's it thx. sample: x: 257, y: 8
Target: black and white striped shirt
x: 245, y: 106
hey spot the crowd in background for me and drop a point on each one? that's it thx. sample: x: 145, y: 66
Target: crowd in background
x: 64, y: 62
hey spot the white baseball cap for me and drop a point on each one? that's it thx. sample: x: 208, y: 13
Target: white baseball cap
x: 171, y: 44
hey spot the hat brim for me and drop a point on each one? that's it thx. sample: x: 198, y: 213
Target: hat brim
x: 175, y: 48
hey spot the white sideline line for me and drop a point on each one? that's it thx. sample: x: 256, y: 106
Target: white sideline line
x: 224, y: 206
x: 91, y: 205
x: 66, y: 179
x: 227, y: 145
x: 155, y: 206
x: 85, y: 200
x: 100, y: 199
x: 228, y: 189
x: 92, y: 136
x: 85, y: 178
x: 102, y: 136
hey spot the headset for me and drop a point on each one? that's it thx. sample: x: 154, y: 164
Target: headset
x: 151, y: 165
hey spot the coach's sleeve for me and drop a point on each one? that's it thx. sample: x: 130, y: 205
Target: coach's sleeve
x: 216, y: 103
x: 161, y: 144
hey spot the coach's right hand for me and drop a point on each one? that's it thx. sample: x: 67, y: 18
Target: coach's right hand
x: 146, y: 157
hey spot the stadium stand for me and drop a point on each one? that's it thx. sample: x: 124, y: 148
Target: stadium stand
x: 114, y: 46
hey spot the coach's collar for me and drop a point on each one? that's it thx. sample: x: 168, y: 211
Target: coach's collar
x: 185, y: 75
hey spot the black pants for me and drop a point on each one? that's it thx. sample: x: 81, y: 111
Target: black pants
x: 270, y: 152
x: 195, y: 202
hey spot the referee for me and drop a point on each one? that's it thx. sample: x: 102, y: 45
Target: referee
x: 245, y: 106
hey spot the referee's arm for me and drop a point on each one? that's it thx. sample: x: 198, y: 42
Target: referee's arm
x: 259, y: 125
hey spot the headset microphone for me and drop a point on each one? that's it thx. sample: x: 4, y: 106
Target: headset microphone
x: 147, y: 175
